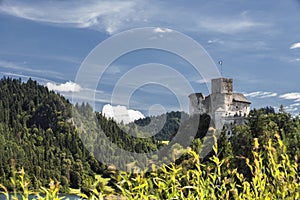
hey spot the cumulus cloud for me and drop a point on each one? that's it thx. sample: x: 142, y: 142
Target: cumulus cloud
x: 291, y: 96
x: 64, y: 87
x: 295, y: 45
x: 121, y: 113
x: 261, y: 94
x: 162, y: 30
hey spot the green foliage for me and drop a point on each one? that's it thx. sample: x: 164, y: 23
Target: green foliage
x: 39, y: 131
x: 212, y: 181
x: 163, y: 127
x: 36, y: 133
x: 278, y: 178
x: 99, y: 189
x: 51, y: 193
x: 264, y: 126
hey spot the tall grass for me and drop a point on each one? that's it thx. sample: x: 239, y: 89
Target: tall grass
x: 275, y: 176
x: 19, y: 180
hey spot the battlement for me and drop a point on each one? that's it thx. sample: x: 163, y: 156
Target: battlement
x: 222, y: 85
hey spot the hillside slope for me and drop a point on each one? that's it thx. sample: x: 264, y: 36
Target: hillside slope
x: 37, y: 132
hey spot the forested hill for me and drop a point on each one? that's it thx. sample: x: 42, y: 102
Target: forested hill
x: 162, y: 127
x: 36, y: 133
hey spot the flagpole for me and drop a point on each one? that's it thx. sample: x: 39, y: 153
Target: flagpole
x: 221, y: 63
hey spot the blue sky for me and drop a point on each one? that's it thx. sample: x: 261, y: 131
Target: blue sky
x: 258, y: 42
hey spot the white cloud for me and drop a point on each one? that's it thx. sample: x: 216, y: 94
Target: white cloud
x: 291, y: 96
x: 227, y: 25
x: 64, y: 87
x: 293, y: 108
x: 20, y: 68
x: 290, y: 109
x: 104, y: 15
x: 202, y: 81
x: 295, y: 105
x: 295, y: 45
x: 261, y: 94
x: 162, y: 30
x: 212, y: 41
x: 121, y: 113
x: 113, y: 16
x: 24, y: 77
x: 295, y: 60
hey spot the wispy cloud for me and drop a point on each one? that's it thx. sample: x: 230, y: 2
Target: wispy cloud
x: 291, y: 96
x: 113, y: 16
x: 295, y: 105
x: 295, y: 60
x: 20, y: 69
x: 202, y: 81
x: 228, y: 25
x: 291, y: 109
x: 213, y: 41
x: 82, y: 14
x: 261, y: 94
x: 24, y: 77
x: 64, y: 87
x: 295, y: 45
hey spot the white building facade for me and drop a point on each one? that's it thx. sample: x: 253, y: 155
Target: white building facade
x: 225, y: 107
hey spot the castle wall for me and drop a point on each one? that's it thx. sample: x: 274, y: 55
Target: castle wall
x: 224, y: 106
x: 238, y: 108
x: 194, y: 105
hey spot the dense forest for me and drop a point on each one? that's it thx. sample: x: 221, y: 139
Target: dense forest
x: 162, y: 127
x: 49, y: 137
x: 38, y: 132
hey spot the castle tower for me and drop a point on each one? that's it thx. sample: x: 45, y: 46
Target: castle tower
x: 221, y: 85
x: 221, y: 98
x: 225, y: 107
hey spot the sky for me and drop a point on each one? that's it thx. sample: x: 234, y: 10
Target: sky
x: 258, y: 43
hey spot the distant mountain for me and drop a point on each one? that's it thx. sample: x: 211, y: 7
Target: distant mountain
x: 164, y: 127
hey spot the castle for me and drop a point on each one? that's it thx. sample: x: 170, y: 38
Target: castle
x: 225, y: 107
